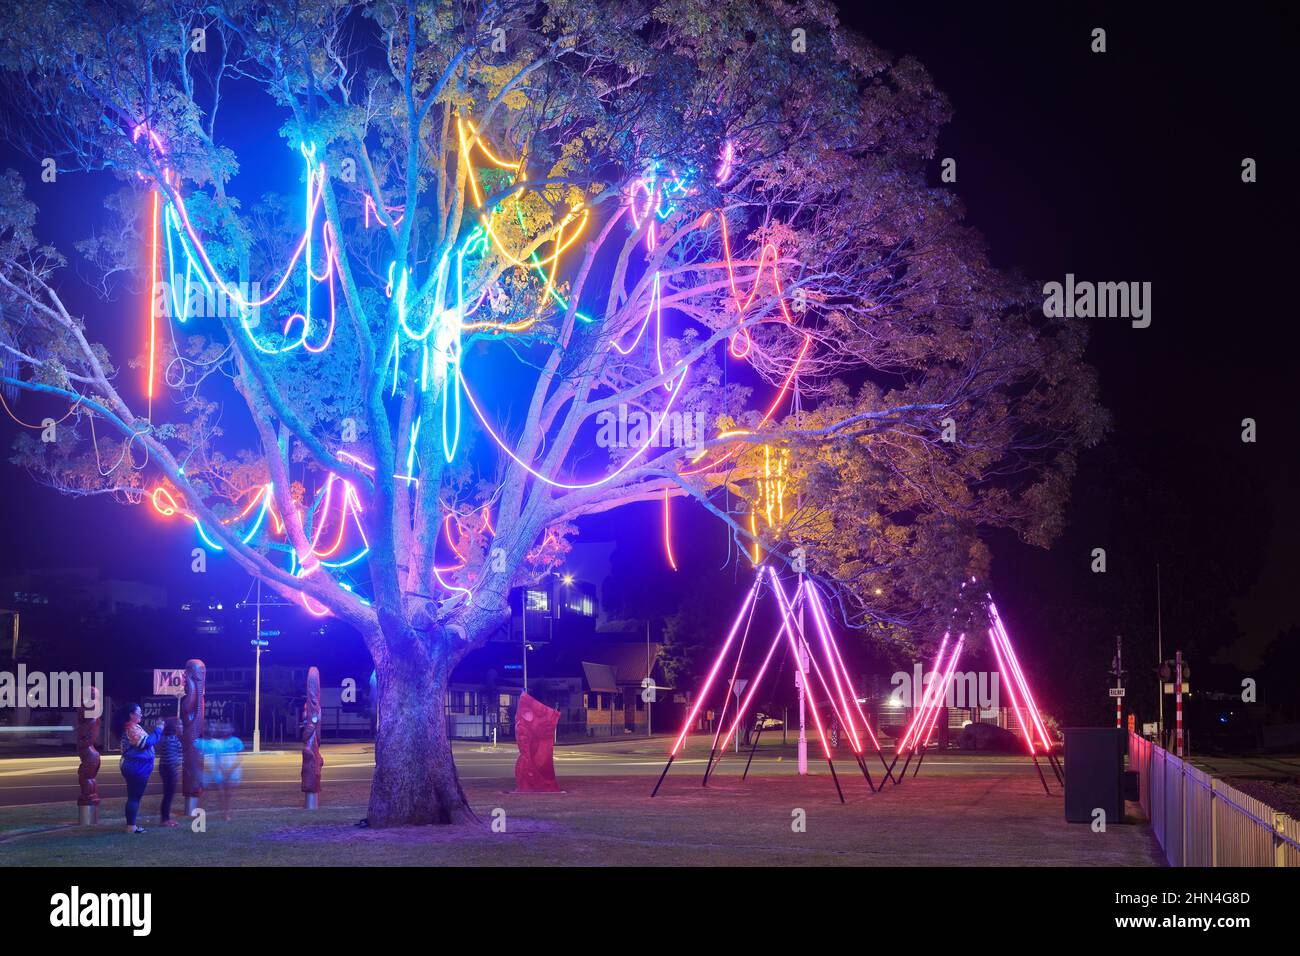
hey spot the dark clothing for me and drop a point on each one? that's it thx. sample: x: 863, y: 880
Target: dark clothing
x: 135, y: 787
x: 170, y: 753
x: 170, y: 780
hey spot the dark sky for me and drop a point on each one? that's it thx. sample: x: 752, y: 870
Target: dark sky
x: 1122, y: 166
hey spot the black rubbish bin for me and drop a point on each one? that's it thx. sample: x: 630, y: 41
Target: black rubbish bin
x: 1094, y: 771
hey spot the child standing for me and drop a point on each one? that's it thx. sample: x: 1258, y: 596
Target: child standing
x: 169, y: 768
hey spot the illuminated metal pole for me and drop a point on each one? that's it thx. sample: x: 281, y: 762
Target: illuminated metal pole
x: 257, y: 678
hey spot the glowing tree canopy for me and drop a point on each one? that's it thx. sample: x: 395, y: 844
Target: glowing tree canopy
x: 374, y: 359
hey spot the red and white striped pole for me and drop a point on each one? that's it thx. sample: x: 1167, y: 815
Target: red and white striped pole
x: 1178, y: 703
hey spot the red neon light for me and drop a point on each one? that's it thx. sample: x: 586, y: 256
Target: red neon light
x: 668, y: 533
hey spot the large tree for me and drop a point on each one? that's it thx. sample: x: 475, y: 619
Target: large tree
x: 525, y: 216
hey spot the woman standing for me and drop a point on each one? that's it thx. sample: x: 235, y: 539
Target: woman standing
x: 137, y: 763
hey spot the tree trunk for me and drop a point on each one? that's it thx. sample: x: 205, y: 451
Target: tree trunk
x: 415, y: 778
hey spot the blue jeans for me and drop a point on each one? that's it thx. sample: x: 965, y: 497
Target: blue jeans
x: 136, y: 783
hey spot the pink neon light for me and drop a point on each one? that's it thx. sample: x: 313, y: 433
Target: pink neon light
x: 767, y: 415
x: 293, y: 260
x: 713, y: 672
x: 816, y: 666
x: 571, y: 486
x: 926, y: 693
x: 803, y: 675
x: 1030, y: 705
x: 941, y: 698
x: 753, y: 689
x: 731, y: 684
x: 823, y: 626
x: 1002, y: 666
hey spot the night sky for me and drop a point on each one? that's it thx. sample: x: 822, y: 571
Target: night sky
x: 1123, y: 166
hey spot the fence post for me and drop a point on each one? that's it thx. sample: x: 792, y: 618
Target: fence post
x: 1279, y: 844
x: 1182, y: 805
x: 1214, y: 821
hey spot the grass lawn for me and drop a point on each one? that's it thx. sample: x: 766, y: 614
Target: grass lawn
x: 610, y: 820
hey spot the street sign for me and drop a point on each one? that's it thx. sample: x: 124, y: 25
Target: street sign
x: 255, y: 642
x: 739, y: 686
x: 169, y: 682
x: 1117, y: 692
x: 268, y: 633
x: 1169, y: 687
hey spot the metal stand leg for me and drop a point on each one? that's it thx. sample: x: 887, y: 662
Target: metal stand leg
x: 1041, y: 778
x: 758, y: 734
x: 1056, y: 768
x: 836, y: 778
x: 867, y: 773
x: 671, y: 758
x: 921, y: 760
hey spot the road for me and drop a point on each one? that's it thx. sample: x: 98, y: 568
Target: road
x: 28, y: 781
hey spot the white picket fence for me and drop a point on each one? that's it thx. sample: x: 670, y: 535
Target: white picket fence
x: 1199, y: 820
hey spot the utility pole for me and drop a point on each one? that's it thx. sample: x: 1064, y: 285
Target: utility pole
x: 258, y: 644
x: 1178, y: 703
x: 649, y: 704
x: 1117, y: 669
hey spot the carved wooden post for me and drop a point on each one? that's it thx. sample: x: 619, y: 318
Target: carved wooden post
x: 312, y: 761
x: 196, y: 677
x: 535, y: 734
x: 88, y: 769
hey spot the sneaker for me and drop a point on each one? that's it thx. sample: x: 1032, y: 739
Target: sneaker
x: 168, y: 823
x: 138, y: 830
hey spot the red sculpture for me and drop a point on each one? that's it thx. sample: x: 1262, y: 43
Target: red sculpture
x: 88, y: 769
x: 196, y: 678
x: 535, y: 734
x: 312, y: 761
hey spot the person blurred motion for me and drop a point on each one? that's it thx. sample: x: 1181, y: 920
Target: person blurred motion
x: 222, y: 765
